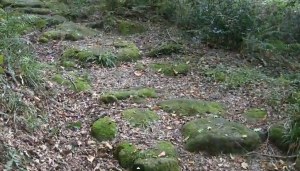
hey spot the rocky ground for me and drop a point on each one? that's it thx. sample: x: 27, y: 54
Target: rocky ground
x: 79, y: 93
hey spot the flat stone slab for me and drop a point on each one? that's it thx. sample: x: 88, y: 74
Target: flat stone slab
x: 217, y: 135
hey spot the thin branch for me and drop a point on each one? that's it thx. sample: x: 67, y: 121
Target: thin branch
x: 272, y: 156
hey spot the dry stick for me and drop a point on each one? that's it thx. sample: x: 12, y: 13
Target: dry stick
x: 171, y: 37
x: 70, y: 79
x: 272, y: 156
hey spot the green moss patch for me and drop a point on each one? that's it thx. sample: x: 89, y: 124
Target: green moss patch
x: 165, y: 49
x: 67, y: 31
x: 163, y: 153
x: 112, y: 97
x: 126, y: 153
x: 156, y: 164
x: 126, y: 27
x: 77, y: 84
x: 276, y: 136
x: 160, y: 149
x: 217, y: 135
x: 189, y: 107
x: 104, y: 129
x: 255, y: 114
x: 140, y: 117
x: 127, y: 51
x: 171, y: 69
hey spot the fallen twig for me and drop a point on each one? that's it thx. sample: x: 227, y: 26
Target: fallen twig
x: 272, y: 156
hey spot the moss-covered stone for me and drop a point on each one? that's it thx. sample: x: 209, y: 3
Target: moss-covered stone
x: 156, y: 164
x: 171, y: 69
x: 255, y: 114
x: 126, y: 27
x: 160, y: 149
x: 140, y: 117
x: 126, y: 153
x: 22, y: 3
x: 127, y: 51
x: 125, y: 94
x: 217, y: 135
x: 104, y: 129
x: 165, y: 49
x: 276, y: 136
x: 68, y: 31
x: 189, y: 107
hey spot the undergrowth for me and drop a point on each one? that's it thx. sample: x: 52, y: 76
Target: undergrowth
x: 20, y: 69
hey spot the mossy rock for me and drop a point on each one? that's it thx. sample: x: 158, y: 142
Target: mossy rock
x: 29, y: 10
x: 156, y: 164
x: 126, y: 27
x: 190, y: 107
x: 255, y: 114
x: 165, y: 49
x: 217, y: 135
x: 22, y: 3
x: 68, y: 31
x: 125, y: 94
x: 74, y: 53
x: 126, y: 153
x: 140, y: 117
x: 276, y: 136
x: 104, y: 129
x: 127, y: 51
x: 171, y: 69
x: 162, y: 147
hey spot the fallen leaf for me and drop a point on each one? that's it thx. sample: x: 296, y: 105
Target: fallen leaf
x: 244, y: 165
x: 108, y: 145
x: 90, y: 158
x: 244, y: 136
x: 138, y: 73
x: 162, y: 154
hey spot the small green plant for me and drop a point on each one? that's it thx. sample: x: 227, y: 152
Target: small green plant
x: 14, y: 159
x: 107, y: 59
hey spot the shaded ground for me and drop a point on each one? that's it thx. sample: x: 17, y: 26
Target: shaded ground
x: 53, y: 146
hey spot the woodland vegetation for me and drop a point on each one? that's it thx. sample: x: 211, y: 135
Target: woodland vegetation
x: 94, y: 84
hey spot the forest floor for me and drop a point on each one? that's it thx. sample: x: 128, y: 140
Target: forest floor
x: 53, y: 146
